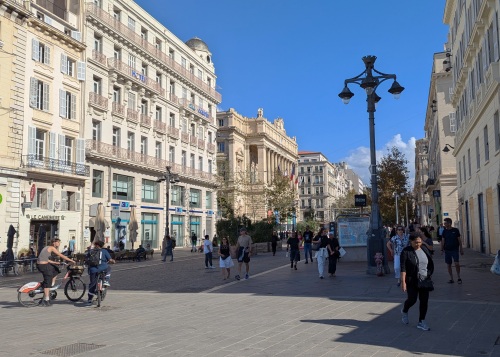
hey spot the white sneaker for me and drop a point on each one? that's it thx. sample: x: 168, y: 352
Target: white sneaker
x: 404, y: 317
x: 212, y: 267
x: 423, y: 326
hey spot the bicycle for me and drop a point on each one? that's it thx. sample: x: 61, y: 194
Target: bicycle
x: 101, y: 288
x: 31, y: 294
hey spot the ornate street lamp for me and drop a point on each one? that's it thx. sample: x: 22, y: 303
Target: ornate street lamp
x: 369, y: 80
x: 169, y: 178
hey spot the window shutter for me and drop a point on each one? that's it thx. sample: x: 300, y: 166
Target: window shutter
x: 45, y: 99
x: 495, y: 38
x: 34, y: 203
x: 62, y: 140
x: 35, y: 49
x: 64, y: 201
x: 50, y: 199
x: 64, y: 63
x: 52, y: 146
x: 31, y: 140
x: 46, y: 55
x: 73, y: 106
x: 33, y: 92
x: 63, y: 105
x: 453, y: 123
x: 80, y: 151
x: 78, y: 201
x: 77, y: 35
x: 80, y: 71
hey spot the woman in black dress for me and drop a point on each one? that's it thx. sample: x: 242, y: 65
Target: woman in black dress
x: 333, y: 254
x: 292, y: 246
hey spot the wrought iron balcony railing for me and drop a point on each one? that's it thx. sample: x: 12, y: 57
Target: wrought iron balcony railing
x: 34, y: 161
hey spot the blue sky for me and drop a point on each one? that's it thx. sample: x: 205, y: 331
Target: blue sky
x: 291, y: 57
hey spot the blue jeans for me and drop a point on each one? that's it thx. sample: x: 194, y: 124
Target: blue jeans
x: 208, y: 259
x: 308, y: 250
x: 93, y: 280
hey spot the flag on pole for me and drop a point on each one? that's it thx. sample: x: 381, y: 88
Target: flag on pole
x: 293, y: 173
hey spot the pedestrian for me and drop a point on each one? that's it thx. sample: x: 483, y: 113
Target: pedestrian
x: 396, y: 245
x: 307, y: 238
x: 451, y: 245
x: 322, y: 253
x: 416, y: 263
x: 243, y: 249
x: 225, y: 260
x: 208, y: 249
x: 292, y: 247
x: 194, y: 239
x: 333, y: 254
x: 426, y: 238
x: 71, y: 246
x: 167, y: 249
x: 274, y: 242
x: 440, y: 231
x: 94, y: 270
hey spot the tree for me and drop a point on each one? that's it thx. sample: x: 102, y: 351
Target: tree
x: 281, y: 195
x: 347, y: 201
x: 393, y: 179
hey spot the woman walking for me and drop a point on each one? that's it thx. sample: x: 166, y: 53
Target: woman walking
x: 167, y: 249
x: 293, y: 244
x: 322, y: 252
x: 225, y: 260
x: 333, y: 254
x: 396, y: 245
x: 416, y: 263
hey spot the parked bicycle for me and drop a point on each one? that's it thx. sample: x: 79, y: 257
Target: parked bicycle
x: 31, y: 294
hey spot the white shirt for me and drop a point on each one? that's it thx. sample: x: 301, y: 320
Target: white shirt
x: 207, y: 246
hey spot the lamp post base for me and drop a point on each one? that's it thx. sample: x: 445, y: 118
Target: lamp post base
x: 376, y: 244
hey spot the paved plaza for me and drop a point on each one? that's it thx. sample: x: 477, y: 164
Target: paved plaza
x: 181, y: 309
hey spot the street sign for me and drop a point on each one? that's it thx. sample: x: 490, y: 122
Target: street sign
x: 26, y: 205
x: 360, y: 200
x: 124, y: 204
x: 178, y: 209
x: 115, y: 212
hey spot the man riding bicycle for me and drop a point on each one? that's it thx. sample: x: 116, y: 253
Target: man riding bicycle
x: 96, y: 267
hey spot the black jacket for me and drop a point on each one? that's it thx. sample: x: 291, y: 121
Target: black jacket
x: 409, y: 263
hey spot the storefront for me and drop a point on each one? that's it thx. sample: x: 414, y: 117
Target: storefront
x: 177, y: 229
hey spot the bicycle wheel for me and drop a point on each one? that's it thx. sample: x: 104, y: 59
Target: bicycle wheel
x: 103, y: 292
x: 31, y: 298
x: 75, y: 289
x: 99, y: 291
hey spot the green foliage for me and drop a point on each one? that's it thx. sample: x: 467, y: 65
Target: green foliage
x: 281, y: 195
x: 230, y: 227
x: 393, y: 178
x: 347, y: 201
x: 262, y: 231
x: 313, y: 225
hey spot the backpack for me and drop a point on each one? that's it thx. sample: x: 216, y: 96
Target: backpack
x: 94, y: 257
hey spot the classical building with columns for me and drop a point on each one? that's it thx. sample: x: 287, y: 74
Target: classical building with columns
x: 250, y: 151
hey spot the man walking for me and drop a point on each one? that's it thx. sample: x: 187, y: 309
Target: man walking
x: 451, y: 244
x: 194, y: 238
x: 243, y: 247
x: 208, y: 249
x: 307, y: 237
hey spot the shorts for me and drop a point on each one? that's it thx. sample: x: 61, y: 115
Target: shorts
x: 226, y: 263
x: 243, y: 256
x: 48, y: 271
x: 450, y: 255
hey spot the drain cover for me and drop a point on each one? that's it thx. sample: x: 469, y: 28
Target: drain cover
x: 72, y: 350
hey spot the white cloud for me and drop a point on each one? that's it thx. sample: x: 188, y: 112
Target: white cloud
x: 359, y: 158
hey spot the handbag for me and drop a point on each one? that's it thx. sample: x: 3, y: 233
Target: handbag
x: 425, y: 284
x: 495, y: 268
x: 342, y: 252
x: 315, y: 246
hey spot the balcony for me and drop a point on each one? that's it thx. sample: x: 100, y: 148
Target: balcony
x: 173, y: 132
x: 54, y: 165
x: 211, y: 148
x: 137, y: 77
x: 201, y: 144
x: 99, y: 57
x: 132, y: 115
x: 146, y: 120
x: 98, y: 100
x: 118, y: 109
x: 185, y: 137
x: 103, y: 18
x: 196, y: 109
x: 160, y: 126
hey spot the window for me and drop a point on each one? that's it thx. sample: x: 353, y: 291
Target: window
x: 192, y: 161
x: 453, y: 123
x: 149, y: 191
x: 496, y: 127
x: 116, y: 136
x: 221, y: 122
x: 43, y: 198
x: 200, y: 163
x: 39, y: 95
x: 39, y: 144
x: 144, y: 34
x: 123, y: 187
x: 158, y: 44
x: 194, y: 198
x: 130, y: 141
x: 40, y: 52
x: 486, y: 144
x: 171, y: 53
x: 158, y: 150
x: 460, y: 172
x: 144, y: 107
x: 117, y: 53
x: 97, y: 183
x: 221, y: 147
x: 66, y: 149
x: 172, y: 88
x: 97, y: 85
x: 158, y: 113
x: 208, y: 200
x: 478, y: 154
x: 131, y: 61
x: 67, y: 105
x: 96, y: 130
x: 184, y: 159
x: 144, y: 145
x: 159, y: 79
x: 177, y: 195
x: 117, y: 15
x: 184, y: 93
x: 144, y: 69
x: 117, y: 95
x: 184, y: 125
x: 171, y: 154
x: 131, y: 23
x: 201, y: 132
x: 470, y: 164
x: 68, y: 65
x: 209, y: 166
x: 172, y: 120
x: 193, y: 130
x: 191, y: 69
x: 465, y: 170
x: 97, y: 43
x: 183, y: 62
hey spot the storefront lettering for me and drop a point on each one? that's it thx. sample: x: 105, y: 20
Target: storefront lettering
x: 46, y: 217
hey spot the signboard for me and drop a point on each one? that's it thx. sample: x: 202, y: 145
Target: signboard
x: 352, y: 231
x: 124, y: 204
x: 115, y: 212
x: 360, y: 200
x: 32, y: 192
x: 26, y: 205
x: 86, y: 233
x: 445, y: 214
x: 57, y: 204
x: 178, y: 209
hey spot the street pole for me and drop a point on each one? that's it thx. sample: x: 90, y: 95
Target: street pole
x: 168, y: 177
x: 370, y: 82
x: 397, y: 209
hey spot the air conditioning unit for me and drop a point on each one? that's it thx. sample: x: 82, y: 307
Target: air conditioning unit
x: 1, y: 44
